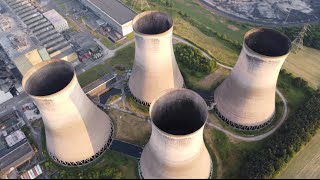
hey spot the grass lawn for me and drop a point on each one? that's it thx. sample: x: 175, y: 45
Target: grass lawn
x: 137, y: 108
x: 111, y: 165
x: 130, y: 128
x: 217, y: 48
x: 295, y: 96
x: 200, y: 81
x: 92, y: 74
x: 305, y: 64
x: 231, y: 152
x: 306, y: 163
x: 123, y: 59
x: 61, y: 4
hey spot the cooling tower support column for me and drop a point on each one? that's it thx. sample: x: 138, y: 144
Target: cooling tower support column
x: 246, y: 99
x: 77, y: 131
x: 176, y: 149
x: 155, y: 68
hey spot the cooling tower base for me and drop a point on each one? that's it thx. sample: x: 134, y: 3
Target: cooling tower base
x: 89, y: 160
x: 243, y: 127
x: 141, y: 176
x: 143, y: 103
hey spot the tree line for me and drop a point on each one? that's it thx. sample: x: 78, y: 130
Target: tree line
x: 312, y: 38
x: 193, y: 59
x: 296, y: 131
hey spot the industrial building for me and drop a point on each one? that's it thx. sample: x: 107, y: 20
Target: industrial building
x: 28, y: 60
x: 246, y: 98
x: 59, y: 23
x: 5, y: 23
x: 176, y: 148
x: 77, y: 131
x: 15, y: 150
x: 155, y: 68
x: 44, y: 30
x: 115, y: 13
x: 32, y: 173
x: 14, y: 138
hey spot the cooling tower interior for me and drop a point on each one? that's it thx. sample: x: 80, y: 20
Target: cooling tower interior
x: 179, y: 114
x: 49, y: 79
x: 268, y: 42
x: 152, y: 23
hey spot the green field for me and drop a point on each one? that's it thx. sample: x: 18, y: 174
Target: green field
x: 92, y: 74
x: 305, y: 64
x: 216, y: 47
x: 123, y: 59
x: 194, y: 28
x: 231, y: 152
x: 306, y: 164
x: 295, y: 96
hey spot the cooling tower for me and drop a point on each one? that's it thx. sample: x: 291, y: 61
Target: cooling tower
x: 77, y: 131
x: 155, y: 68
x: 246, y: 99
x: 176, y: 148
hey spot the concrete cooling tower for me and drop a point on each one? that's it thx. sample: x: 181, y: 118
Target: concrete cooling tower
x: 176, y: 149
x: 77, y: 131
x: 246, y: 99
x: 155, y: 68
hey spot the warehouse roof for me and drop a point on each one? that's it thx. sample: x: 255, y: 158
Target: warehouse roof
x: 55, y: 18
x: 115, y: 9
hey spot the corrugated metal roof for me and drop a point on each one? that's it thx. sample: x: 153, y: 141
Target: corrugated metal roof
x: 118, y: 11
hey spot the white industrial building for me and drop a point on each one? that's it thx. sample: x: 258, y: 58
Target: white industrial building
x: 14, y: 138
x: 59, y: 23
x: 116, y: 14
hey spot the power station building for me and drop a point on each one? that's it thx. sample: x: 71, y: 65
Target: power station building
x: 115, y: 13
x: 155, y: 68
x: 59, y: 23
x: 46, y: 28
x: 246, y: 99
x: 77, y: 131
x: 176, y: 148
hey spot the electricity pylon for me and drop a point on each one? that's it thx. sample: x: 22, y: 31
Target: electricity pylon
x: 297, y: 43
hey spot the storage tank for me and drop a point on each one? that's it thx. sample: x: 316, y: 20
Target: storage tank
x: 155, y: 68
x: 77, y: 131
x: 246, y: 99
x: 176, y: 149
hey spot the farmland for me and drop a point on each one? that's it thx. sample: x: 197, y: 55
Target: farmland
x: 306, y: 164
x: 305, y: 64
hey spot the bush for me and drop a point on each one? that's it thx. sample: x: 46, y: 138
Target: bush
x: 193, y: 59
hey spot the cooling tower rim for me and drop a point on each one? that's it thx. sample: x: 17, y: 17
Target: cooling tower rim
x: 248, y: 49
x: 36, y: 67
x: 172, y: 136
x: 140, y: 15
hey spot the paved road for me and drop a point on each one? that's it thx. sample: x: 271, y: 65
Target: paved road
x: 126, y: 148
